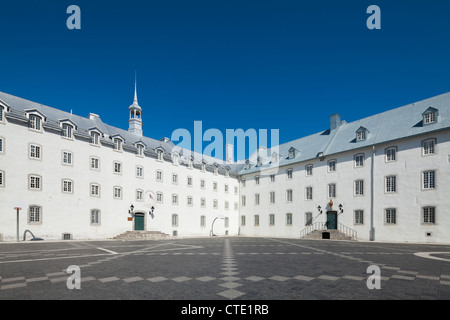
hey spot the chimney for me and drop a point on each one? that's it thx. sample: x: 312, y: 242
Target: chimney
x: 335, y: 121
x: 229, y: 153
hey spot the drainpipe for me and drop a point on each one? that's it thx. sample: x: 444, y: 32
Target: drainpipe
x: 372, y: 169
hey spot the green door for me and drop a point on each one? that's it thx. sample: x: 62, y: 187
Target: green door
x: 332, y: 220
x: 139, y: 223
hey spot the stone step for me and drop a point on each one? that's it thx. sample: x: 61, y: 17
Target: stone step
x: 141, y: 235
x: 323, y: 234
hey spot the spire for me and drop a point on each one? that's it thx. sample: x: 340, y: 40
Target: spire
x: 135, y: 121
x: 135, y: 90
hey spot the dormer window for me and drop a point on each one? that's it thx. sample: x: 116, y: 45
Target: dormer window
x: 247, y: 164
x: 190, y: 162
x: 259, y: 162
x: 35, y: 122
x: 430, y: 116
x: 67, y: 130
x: 95, y: 138
x: 160, y: 154
x: 2, y: 113
x: 274, y: 157
x: 203, y: 166
x: 292, y: 153
x: 140, y: 149
x: 175, y: 158
x: 216, y: 168
x: 361, y: 134
x: 118, y: 144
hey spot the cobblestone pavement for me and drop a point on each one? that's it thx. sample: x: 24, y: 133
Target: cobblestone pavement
x: 223, y: 268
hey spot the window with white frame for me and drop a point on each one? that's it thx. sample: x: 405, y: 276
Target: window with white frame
x: 359, y: 160
x: 289, y: 173
x: 117, y: 167
x: 67, y: 130
x: 189, y: 201
x: 256, y: 220
x: 289, y: 195
x: 160, y: 155
x: 429, y: 215
x: 35, y: 151
x: 227, y: 222
x: 117, y: 192
x: 35, y: 122
x: 174, y: 220
x: 243, y: 200
x: 202, y: 202
x: 361, y: 135
x: 358, y: 187
x: 175, y: 178
x: 215, y: 186
x: 174, y: 199
x: 332, y: 190
x: 94, y: 163
x: 67, y: 186
x: 140, y: 150
x: 332, y: 166
x: 139, y: 195
x: 429, y: 179
x: 390, y: 184
x: 2, y: 145
x: 309, y: 193
x: 390, y: 216
x: 236, y: 190
x: 2, y: 113
x: 242, y: 221
x: 391, y: 154
x: 139, y: 172
x: 308, y: 218
x: 225, y: 188
x: 2, y: 178
x: 272, y: 178
x: 272, y: 197
x: 215, y: 204
x: 95, y: 138
x: 34, y: 182
x: 159, y: 197
x: 358, y: 217
x: 289, y: 219
x: 428, y: 147
x: 95, y: 217
x: 202, y: 184
x: 202, y: 221
x: 236, y: 206
x: 34, y: 214
x: 189, y: 181
x: 256, y: 180
x: 429, y: 117
x: 271, y: 219
x: 309, y: 170
x: 226, y: 205
x: 118, y: 144
x: 95, y: 190
x: 67, y: 158
x: 256, y: 199
x: 243, y: 183
x: 159, y: 175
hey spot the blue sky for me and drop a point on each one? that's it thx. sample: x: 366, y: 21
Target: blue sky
x: 266, y: 64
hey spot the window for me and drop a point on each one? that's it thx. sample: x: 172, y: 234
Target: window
x: 289, y: 219
x: 67, y: 186
x: 139, y: 172
x: 256, y: 220
x: 226, y: 205
x: 160, y: 155
x: 391, y: 154
x: 308, y: 218
x: 256, y: 180
x: 174, y: 199
x: 271, y: 219
x: 390, y: 184
x: 95, y: 190
x: 117, y: 167
x: 272, y: 178
x: 202, y: 184
x: 359, y: 187
x: 35, y: 182
x: 358, y: 217
x: 67, y: 130
x: 117, y: 192
x: 140, y: 150
x: 236, y: 206
x: 189, y: 181
x: 236, y: 190
x: 159, y: 175
x: 118, y: 144
x: 242, y: 221
x: 2, y: 178
x: 202, y: 221
x: 359, y: 160
x: 429, y: 179
x: 35, y: 151
x: 226, y: 188
x: 174, y: 220
x: 272, y: 197
x: 390, y: 216
x: 215, y: 204
x: 95, y: 138
x: 139, y: 195
x: 291, y: 153
x: 430, y: 116
x: 332, y: 166
x: 2, y: 113
x: 428, y: 147
x: 189, y: 201
x: 243, y: 183
x: 34, y: 214
x: 256, y: 199
x: 95, y: 163
x: 159, y: 197
x: 175, y: 178
x: 202, y: 202
x: 361, y: 135
x: 215, y: 186
x: 2, y: 145
x: 67, y: 157
x: 95, y: 217
x: 429, y: 215
x: 289, y: 195
x: 289, y: 173
x: 227, y: 222
x: 243, y: 200
x: 332, y: 190
x: 308, y: 193
x: 309, y: 170
x: 35, y: 122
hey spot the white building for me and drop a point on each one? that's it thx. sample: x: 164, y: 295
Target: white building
x: 386, y: 176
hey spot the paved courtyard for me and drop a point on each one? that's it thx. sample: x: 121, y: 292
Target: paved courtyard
x: 223, y: 268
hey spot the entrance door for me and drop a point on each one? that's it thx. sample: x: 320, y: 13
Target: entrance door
x: 332, y: 220
x: 139, y: 222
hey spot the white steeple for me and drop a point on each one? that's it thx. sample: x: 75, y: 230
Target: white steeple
x: 135, y: 121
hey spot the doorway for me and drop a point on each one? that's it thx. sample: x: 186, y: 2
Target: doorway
x: 332, y: 220
x: 139, y: 222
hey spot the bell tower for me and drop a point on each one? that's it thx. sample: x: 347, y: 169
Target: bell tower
x: 135, y: 121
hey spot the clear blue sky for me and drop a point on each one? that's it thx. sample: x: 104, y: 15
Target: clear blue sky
x: 265, y: 64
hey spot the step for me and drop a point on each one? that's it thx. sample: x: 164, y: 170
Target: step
x: 141, y: 235
x: 334, y: 235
